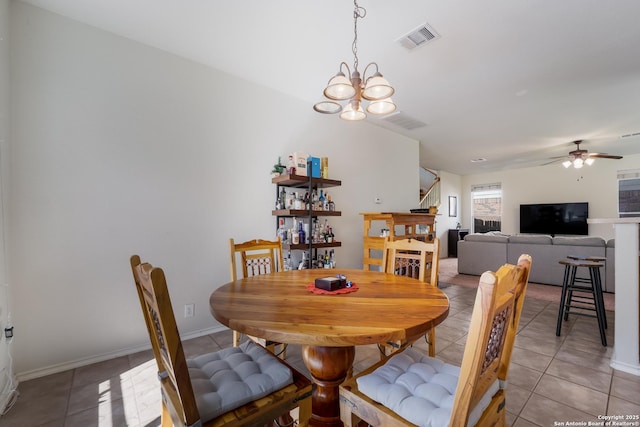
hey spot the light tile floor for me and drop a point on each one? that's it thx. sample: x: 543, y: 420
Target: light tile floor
x: 551, y: 379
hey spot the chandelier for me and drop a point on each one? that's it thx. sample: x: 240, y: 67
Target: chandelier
x: 375, y: 88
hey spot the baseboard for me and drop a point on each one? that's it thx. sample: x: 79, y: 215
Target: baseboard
x: 65, y: 366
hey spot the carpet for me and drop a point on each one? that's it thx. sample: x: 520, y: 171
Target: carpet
x: 448, y: 274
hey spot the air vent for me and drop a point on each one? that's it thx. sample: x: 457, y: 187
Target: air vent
x: 418, y: 37
x: 402, y: 120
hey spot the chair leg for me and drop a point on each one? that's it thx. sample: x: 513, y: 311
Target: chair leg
x: 304, y: 412
x: 572, y: 282
x: 601, y: 295
x: 563, y: 297
x: 431, y: 341
x: 598, y: 301
x: 236, y: 338
x: 165, y: 417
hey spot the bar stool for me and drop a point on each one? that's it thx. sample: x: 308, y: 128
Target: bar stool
x: 596, y: 259
x: 582, y: 297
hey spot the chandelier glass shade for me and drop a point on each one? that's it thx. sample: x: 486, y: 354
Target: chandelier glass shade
x: 373, y: 88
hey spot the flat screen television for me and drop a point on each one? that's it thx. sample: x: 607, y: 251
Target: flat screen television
x: 555, y: 218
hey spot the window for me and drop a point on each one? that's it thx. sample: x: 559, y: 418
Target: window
x: 628, y: 193
x: 486, y: 205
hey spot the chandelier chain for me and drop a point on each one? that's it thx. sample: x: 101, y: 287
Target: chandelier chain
x: 358, y: 12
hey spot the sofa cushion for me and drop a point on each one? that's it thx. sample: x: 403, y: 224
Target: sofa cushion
x: 532, y: 239
x: 611, y: 243
x: 578, y: 241
x: 487, y: 237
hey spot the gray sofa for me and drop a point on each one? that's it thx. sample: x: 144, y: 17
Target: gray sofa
x: 480, y: 252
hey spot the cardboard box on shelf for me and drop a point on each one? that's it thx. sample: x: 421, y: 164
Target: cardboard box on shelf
x: 300, y: 160
x: 314, y: 166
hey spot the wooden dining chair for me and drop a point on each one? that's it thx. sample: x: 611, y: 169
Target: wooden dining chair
x: 257, y: 257
x: 232, y: 387
x: 417, y: 259
x: 412, y: 389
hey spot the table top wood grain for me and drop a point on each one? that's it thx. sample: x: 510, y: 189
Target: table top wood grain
x: 279, y: 307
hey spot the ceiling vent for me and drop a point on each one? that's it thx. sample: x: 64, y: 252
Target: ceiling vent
x: 418, y: 37
x: 403, y: 120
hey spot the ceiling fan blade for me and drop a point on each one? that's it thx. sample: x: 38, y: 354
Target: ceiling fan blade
x: 556, y: 160
x: 604, y: 156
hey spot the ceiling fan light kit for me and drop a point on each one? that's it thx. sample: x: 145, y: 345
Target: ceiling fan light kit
x: 374, y: 88
x: 578, y: 158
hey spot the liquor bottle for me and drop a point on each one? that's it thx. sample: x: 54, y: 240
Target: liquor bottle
x: 304, y: 262
x: 282, y: 231
x: 326, y: 260
x: 288, y: 266
x: 289, y: 203
x: 295, y: 237
x: 297, y: 201
x: 325, y: 205
x: 332, y: 236
x: 332, y: 205
x: 283, y: 199
x: 291, y: 166
x: 301, y: 234
x: 321, y: 201
x: 332, y: 259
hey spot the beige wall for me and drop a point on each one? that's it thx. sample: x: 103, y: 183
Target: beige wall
x: 5, y: 369
x: 596, y: 184
x: 119, y: 148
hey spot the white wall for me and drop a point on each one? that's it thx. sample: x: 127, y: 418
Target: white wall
x: 119, y: 148
x: 450, y: 186
x: 596, y: 184
x: 5, y: 369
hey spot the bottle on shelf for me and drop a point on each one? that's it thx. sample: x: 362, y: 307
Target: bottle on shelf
x: 282, y: 231
x: 332, y: 205
x: 289, y: 203
x: 326, y: 263
x: 321, y: 201
x: 304, y: 262
x: 291, y: 166
x: 295, y: 236
x: 302, y: 238
x: 332, y: 259
x: 283, y: 199
x: 325, y: 204
x: 288, y: 266
x: 297, y: 201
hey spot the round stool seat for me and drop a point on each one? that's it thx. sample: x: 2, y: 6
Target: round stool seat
x: 587, y: 257
x: 572, y: 262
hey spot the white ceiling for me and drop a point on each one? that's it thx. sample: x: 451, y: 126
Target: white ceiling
x: 513, y: 82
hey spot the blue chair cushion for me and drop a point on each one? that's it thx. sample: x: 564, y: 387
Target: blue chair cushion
x: 420, y: 389
x: 232, y: 377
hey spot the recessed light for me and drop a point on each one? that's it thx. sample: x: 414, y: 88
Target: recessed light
x: 480, y: 159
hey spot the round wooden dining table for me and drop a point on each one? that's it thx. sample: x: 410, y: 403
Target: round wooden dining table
x: 284, y: 307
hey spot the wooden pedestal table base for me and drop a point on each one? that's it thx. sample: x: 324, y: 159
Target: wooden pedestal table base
x: 329, y: 367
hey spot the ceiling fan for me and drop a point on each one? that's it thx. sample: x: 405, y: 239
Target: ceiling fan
x: 579, y: 157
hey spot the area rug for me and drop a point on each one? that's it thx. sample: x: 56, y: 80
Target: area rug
x: 448, y: 274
